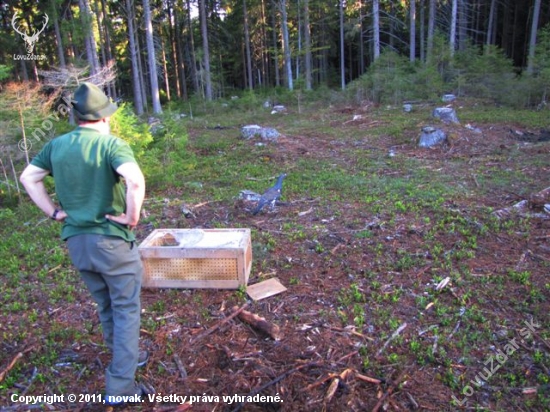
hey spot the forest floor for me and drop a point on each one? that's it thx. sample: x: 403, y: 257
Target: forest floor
x: 399, y: 296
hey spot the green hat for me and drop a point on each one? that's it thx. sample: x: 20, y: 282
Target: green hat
x: 90, y: 103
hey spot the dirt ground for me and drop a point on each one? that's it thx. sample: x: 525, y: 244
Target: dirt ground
x: 319, y: 362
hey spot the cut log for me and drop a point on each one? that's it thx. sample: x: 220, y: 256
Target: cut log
x: 259, y: 323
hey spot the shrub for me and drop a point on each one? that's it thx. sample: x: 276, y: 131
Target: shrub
x: 393, y: 79
x: 542, y: 63
x: 126, y: 125
x: 166, y: 160
x: 484, y: 74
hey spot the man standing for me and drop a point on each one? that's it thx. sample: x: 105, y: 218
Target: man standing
x: 98, y: 215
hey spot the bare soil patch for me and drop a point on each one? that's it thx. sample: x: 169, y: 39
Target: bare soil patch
x: 323, y: 363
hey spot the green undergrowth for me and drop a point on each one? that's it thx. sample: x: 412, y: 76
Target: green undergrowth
x: 405, y: 243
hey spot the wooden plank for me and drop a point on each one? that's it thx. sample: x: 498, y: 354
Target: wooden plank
x: 265, y: 289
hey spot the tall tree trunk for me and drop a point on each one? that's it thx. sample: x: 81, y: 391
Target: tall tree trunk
x: 392, y: 20
x: 179, y: 29
x: 151, y: 55
x: 323, y: 61
x: 91, y: 46
x: 275, y: 44
x: 477, y: 34
x: 342, y: 50
x: 71, y: 49
x: 514, y: 32
x: 191, y: 49
x: 247, y: 48
x: 376, y: 28
x: 165, y: 67
x: 172, y: 30
x: 59, y: 44
x: 136, y: 81
x: 307, y: 45
x: 143, y: 85
x: 286, y: 44
x: 412, y: 29
x: 490, y: 28
x: 100, y: 32
x: 24, y: 73
x: 58, y: 36
x: 533, y: 37
x: 361, y: 38
x: 108, y: 47
x: 141, y: 70
x: 462, y: 24
x: 264, y: 77
x: 452, y: 35
x: 431, y: 30
x: 422, y: 30
x: 206, y: 52
x: 299, y: 53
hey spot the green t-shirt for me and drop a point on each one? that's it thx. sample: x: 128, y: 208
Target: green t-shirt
x: 83, y: 164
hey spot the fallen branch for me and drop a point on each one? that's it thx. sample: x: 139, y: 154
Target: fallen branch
x: 31, y: 380
x: 454, y: 330
x: 259, y: 323
x: 532, y: 391
x: 392, y: 337
x: 11, y: 365
x: 330, y: 376
x: 349, y: 330
x: 413, y: 401
x: 366, y: 378
x: 203, y: 204
x: 319, y: 382
x: 217, y: 325
x: 333, y: 387
x: 274, y: 381
x: 336, y: 382
x: 181, y: 368
x: 390, y: 390
x: 13, y: 362
x: 349, y: 355
x: 541, y: 339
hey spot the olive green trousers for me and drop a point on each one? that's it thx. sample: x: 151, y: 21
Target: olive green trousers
x: 112, y: 270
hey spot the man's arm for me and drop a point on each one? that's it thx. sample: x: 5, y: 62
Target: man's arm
x: 135, y: 193
x: 33, y: 180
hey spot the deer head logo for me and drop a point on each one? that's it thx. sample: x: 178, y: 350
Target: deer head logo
x: 30, y: 41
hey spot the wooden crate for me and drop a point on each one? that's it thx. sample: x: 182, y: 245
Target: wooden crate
x: 201, y: 258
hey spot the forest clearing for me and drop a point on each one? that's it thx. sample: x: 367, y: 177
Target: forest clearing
x: 404, y: 289
x: 386, y: 162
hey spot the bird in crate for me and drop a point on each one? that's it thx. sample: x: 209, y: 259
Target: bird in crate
x: 271, y: 195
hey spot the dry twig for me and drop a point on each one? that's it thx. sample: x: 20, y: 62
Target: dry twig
x: 390, y: 390
x: 274, y: 381
x: 217, y: 325
x: 181, y: 368
x: 366, y: 378
x: 10, y: 366
x: 392, y: 337
x: 13, y: 362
